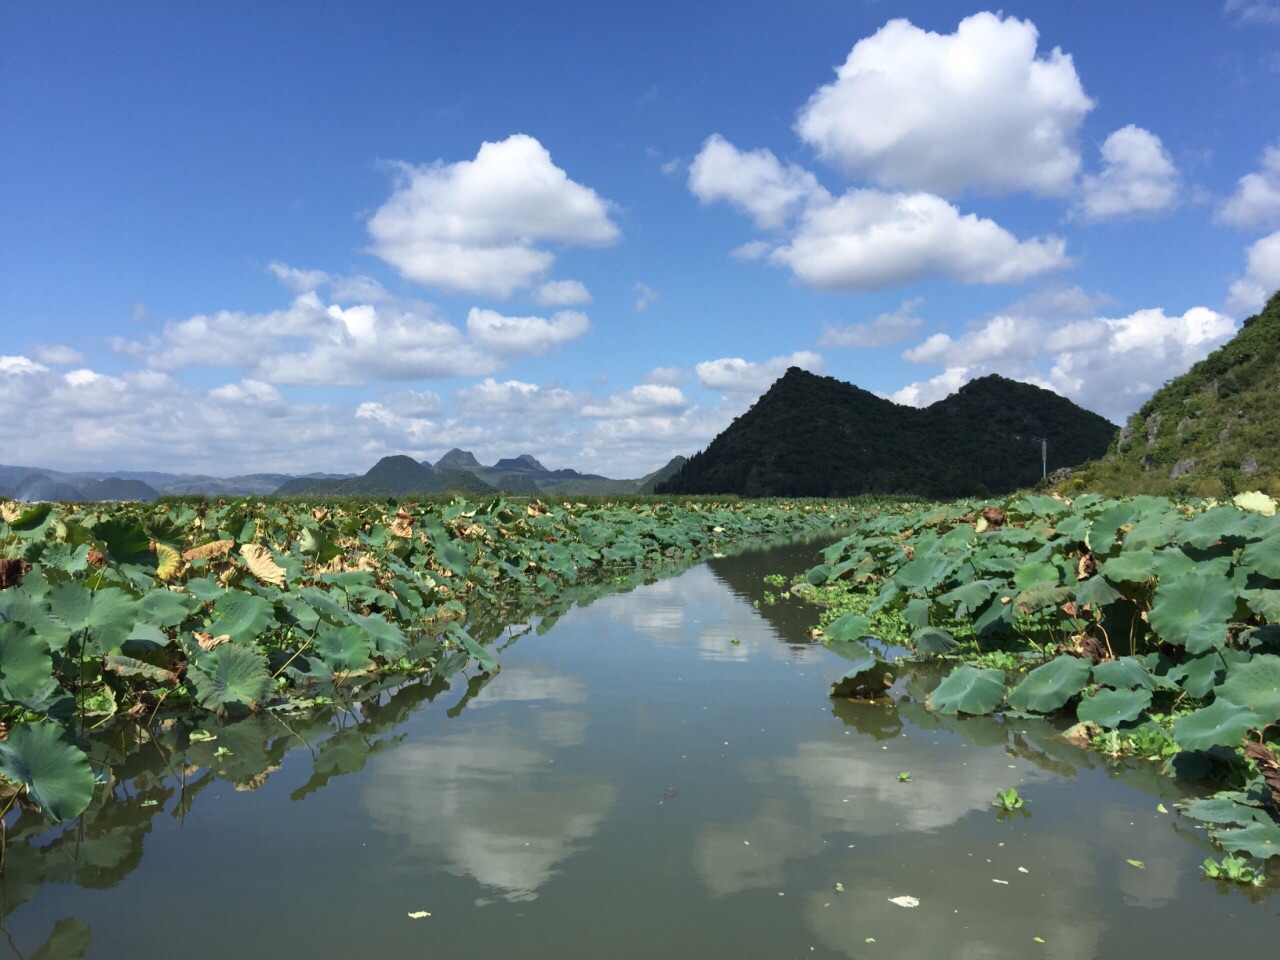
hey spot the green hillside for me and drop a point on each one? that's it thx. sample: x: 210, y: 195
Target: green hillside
x: 1214, y: 431
x: 817, y: 436
x: 392, y: 476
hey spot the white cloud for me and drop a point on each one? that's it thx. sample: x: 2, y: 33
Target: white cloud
x: 1109, y: 365
x: 522, y: 336
x: 1255, y: 11
x: 645, y: 295
x: 1138, y: 177
x: 754, y: 181
x: 299, y: 281
x: 869, y: 240
x: 1256, y: 202
x: 646, y: 398
x: 57, y: 354
x: 735, y: 375
x: 563, y: 293
x: 476, y: 226
x: 668, y: 376
x: 882, y: 330
x: 1261, y: 278
x: 976, y: 109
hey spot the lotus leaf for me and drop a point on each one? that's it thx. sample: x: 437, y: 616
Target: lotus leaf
x: 205, y: 588
x: 1041, y: 596
x: 934, y: 641
x: 1263, y: 556
x: 1033, y: 574
x: 1254, y: 684
x: 968, y: 689
x: 242, y: 615
x: 818, y: 575
x: 1227, y: 808
x: 107, y: 614
x: 55, y: 772
x: 1266, y: 604
x: 1111, y: 708
x: 916, y: 612
x: 231, y: 678
x: 968, y: 597
x: 387, y: 639
x: 25, y: 663
x: 865, y: 682
x: 1217, y: 523
x: 1050, y: 685
x: 167, y: 608
x: 924, y: 573
x: 1222, y: 723
x: 1257, y: 840
x: 1198, y: 675
x: 1102, y: 532
x: 1256, y: 501
x: 1130, y: 566
x: 851, y: 626
x: 1193, y: 611
x: 125, y: 540
x: 343, y: 649
x: 1095, y: 593
x: 1124, y: 674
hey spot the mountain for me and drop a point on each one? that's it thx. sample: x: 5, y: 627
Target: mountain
x: 392, y: 476
x: 457, y: 459
x: 650, y: 481
x: 527, y: 476
x: 1214, y: 431
x: 818, y: 436
x: 38, y: 483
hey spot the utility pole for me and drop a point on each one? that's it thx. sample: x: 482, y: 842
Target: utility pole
x: 1044, y: 457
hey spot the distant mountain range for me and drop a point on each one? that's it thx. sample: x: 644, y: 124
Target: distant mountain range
x: 458, y: 471
x: 1214, y: 431
x: 39, y: 483
x: 818, y: 436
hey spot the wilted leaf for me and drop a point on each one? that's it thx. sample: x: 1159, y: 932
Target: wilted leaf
x: 170, y: 565
x: 262, y: 564
x: 207, y: 551
x: 1256, y: 501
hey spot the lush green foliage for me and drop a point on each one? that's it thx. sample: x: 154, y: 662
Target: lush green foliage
x: 1153, y: 623
x: 816, y: 436
x: 1213, y: 431
x: 235, y: 607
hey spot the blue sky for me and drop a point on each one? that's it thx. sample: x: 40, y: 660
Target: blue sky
x: 242, y: 237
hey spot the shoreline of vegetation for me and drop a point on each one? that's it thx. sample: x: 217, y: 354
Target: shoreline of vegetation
x: 1150, y: 626
x: 147, y: 613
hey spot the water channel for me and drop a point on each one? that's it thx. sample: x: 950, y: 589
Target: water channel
x: 660, y: 773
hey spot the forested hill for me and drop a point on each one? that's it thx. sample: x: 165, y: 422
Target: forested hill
x: 818, y: 436
x: 1214, y: 431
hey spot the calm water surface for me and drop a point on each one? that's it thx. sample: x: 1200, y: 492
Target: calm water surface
x: 661, y: 773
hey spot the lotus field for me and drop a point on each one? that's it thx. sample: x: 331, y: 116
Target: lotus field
x: 129, y: 613
x: 1154, y: 626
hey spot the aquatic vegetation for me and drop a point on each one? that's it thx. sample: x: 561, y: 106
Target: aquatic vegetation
x: 1008, y: 799
x: 1233, y: 869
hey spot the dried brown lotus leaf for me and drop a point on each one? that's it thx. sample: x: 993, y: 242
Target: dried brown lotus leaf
x: 208, y: 551
x: 208, y: 641
x: 262, y: 564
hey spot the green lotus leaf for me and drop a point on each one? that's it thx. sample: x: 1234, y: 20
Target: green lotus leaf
x: 1225, y: 809
x: 1110, y: 708
x: 1096, y: 593
x: 231, y: 678
x: 125, y: 540
x: 818, y: 575
x: 865, y: 682
x: 968, y: 689
x: 1263, y: 556
x: 387, y: 639
x: 1193, y: 611
x: 167, y: 608
x: 924, y: 573
x: 1130, y: 566
x: 1221, y: 724
x: 68, y: 940
x: 1124, y: 674
x: 244, y: 616
x: 968, y: 597
x: 851, y: 626
x: 1266, y: 604
x: 1255, y: 684
x: 1257, y: 840
x: 1217, y: 523
x: 1102, y: 532
x: 343, y: 649
x: 25, y: 663
x: 934, y: 642
x: 107, y: 614
x: 1170, y: 563
x: 1198, y: 675
x: 205, y: 588
x: 55, y: 772
x: 1041, y: 596
x: 1035, y: 573
x: 1050, y: 685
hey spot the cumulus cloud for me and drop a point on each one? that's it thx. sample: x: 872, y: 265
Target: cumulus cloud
x: 299, y: 281
x: 563, y: 293
x: 667, y: 376
x: 755, y: 181
x: 645, y: 295
x: 522, y: 336
x: 1256, y: 202
x: 58, y: 355
x: 869, y: 240
x: 884, y: 329
x: 479, y: 226
x: 976, y: 109
x: 1109, y: 365
x: 643, y: 399
x: 1261, y: 278
x: 1137, y: 177
x: 735, y: 375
